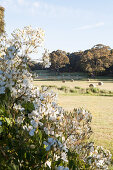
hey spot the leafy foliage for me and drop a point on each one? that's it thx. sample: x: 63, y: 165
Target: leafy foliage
x: 74, y: 59
x: 58, y: 59
x: 97, y: 59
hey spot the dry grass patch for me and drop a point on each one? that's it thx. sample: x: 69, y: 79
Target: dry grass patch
x: 108, y: 85
x: 102, y: 112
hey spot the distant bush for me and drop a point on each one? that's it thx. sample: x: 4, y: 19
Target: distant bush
x: 76, y: 87
x: 88, y: 91
x: 73, y: 91
x: 104, y: 91
x: 92, y: 90
x: 64, y: 88
x: 95, y: 90
x: 49, y: 86
x: 110, y: 92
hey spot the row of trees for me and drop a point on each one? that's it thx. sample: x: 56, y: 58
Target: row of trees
x: 95, y: 61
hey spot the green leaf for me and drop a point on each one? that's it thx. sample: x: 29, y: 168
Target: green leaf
x: 1, y: 129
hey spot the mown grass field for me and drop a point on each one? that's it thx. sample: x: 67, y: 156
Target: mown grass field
x: 101, y: 107
x: 102, y: 115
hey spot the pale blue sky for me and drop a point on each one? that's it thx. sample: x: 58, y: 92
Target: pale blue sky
x: 69, y: 25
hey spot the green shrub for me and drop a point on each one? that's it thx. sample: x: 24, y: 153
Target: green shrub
x: 64, y: 88
x: 110, y: 92
x: 104, y: 91
x: 73, y: 91
x: 88, y: 91
x: 94, y: 90
x: 52, y: 86
x: 76, y: 87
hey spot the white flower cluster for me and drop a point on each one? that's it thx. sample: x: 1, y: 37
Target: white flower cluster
x: 96, y: 156
x: 65, y: 131
x: 18, y: 107
x: 56, y: 145
x: 13, y: 61
x: 99, y: 157
x: 77, y: 127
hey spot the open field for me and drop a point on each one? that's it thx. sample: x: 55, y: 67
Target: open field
x: 80, y: 80
x: 101, y: 107
x: 108, y: 85
x: 102, y: 115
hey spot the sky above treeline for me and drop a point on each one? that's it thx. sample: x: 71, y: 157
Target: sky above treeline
x: 69, y: 25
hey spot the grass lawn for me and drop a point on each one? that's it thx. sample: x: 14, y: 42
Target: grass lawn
x: 101, y: 107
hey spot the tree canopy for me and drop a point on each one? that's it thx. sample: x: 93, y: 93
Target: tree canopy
x: 74, y: 61
x: 97, y: 59
x: 58, y: 59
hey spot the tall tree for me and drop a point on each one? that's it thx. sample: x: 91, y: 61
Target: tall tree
x: 1, y: 20
x: 74, y: 59
x: 58, y: 59
x: 97, y: 59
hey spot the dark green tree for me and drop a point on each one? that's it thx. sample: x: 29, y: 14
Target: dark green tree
x: 74, y: 59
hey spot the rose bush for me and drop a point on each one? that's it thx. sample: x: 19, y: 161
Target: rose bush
x: 36, y: 133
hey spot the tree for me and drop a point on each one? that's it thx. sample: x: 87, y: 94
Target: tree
x: 1, y: 20
x: 74, y: 60
x: 97, y: 59
x: 58, y: 59
x: 33, y: 65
